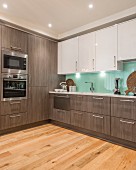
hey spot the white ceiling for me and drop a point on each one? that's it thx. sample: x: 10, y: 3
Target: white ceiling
x: 65, y: 15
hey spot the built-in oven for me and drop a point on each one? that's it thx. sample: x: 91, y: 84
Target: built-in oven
x: 14, y: 87
x: 14, y: 62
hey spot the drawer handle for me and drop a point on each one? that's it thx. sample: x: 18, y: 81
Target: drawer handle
x: 127, y: 101
x: 15, y: 116
x: 15, y: 48
x: 15, y: 103
x: 98, y: 116
x: 63, y: 96
x: 114, y: 61
x: 98, y: 98
x: 123, y: 121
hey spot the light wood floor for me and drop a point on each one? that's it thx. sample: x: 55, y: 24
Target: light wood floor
x: 50, y: 147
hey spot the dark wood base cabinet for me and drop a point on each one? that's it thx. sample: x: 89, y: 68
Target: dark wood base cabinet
x: 13, y: 120
x: 90, y: 121
x: 123, y: 129
x: 61, y: 116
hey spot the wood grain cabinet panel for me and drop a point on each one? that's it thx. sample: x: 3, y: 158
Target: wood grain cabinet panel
x: 101, y: 105
x: 10, y: 107
x: 14, y: 39
x: 98, y: 123
x: 123, y: 128
x: 38, y: 51
x: 14, y: 120
x: 81, y: 103
x: 61, y: 116
x: 78, y: 118
x: 123, y: 107
x: 38, y: 104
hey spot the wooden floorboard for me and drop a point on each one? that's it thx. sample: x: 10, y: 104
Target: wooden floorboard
x: 50, y: 147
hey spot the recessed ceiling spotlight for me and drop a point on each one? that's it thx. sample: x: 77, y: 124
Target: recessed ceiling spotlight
x: 49, y: 25
x: 90, y: 6
x: 5, y: 6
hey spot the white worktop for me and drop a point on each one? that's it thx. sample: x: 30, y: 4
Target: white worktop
x: 92, y: 94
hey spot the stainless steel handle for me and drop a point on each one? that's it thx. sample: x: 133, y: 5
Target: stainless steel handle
x: 127, y: 101
x: 123, y: 121
x: 29, y: 79
x: 15, y: 116
x: 98, y: 116
x: 93, y: 64
x: 98, y: 98
x: 76, y: 65
x: 114, y: 61
x: 63, y: 96
x: 15, y: 103
x: 16, y: 48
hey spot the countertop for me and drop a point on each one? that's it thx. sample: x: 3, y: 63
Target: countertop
x: 93, y: 94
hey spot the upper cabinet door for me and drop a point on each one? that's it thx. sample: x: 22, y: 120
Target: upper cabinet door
x: 106, y: 49
x: 14, y: 39
x: 87, y: 52
x: 69, y: 56
x: 127, y: 40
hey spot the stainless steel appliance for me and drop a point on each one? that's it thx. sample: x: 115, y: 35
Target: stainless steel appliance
x: 14, y: 87
x: 14, y: 62
x: 62, y: 102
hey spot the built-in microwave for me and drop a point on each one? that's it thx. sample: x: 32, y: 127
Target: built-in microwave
x: 14, y: 62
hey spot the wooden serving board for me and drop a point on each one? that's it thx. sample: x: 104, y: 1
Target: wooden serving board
x: 131, y: 82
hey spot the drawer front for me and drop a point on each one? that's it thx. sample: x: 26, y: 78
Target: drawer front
x: 98, y: 123
x: 14, y: 120
x: 78, y: 118
x: 11, y: 107
x: 123, y: 128
x: 101, y: 105
x: 61, y: 116
x: 123, y: 107
x: 81, y: 103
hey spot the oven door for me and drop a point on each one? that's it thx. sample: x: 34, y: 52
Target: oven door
x: 14, y: 89
x: 14, y: 62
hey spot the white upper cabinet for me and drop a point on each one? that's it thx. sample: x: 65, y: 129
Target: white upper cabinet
x: 106, y: 49
x: 68, y: 56
x: 127, y: 40
x: 86, y: 53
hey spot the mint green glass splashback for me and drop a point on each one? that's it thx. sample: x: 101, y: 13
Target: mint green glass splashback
x: 104, y: 82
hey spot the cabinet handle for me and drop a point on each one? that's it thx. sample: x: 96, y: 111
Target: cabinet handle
x: 97, y: 98
x: 15, y: 48
x: 114, y: 61
x: 63, y: 96
x: 93, y: 64
x: 15, y: 103
x: 123, y: 121
x: 76, y: 65
x: 15, y: 116
x: 80, y: 113
x: 127, y: 101
x: 98, y: 116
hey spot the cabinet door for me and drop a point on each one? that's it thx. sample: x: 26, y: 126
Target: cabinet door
x: 123, y: 128
x: 101, y: 105
x: 37, y: 104
x: 10, y: 107
x: 106, y: 49
x: 81, y: 103
x: 61, y: 116
x: 14, y: 39
x: 87, y: 52
x: 69, y: 56
x: 123, y: 107
x: 38, y: 52
x: 127, y: 40
x: 14, y: 120
x: 98, y: 123
x: 78, y: 118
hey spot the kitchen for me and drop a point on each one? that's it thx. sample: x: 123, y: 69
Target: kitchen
x: 67, y: 86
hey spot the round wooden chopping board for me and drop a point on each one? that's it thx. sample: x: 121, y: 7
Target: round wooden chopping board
x: 131, y: 82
